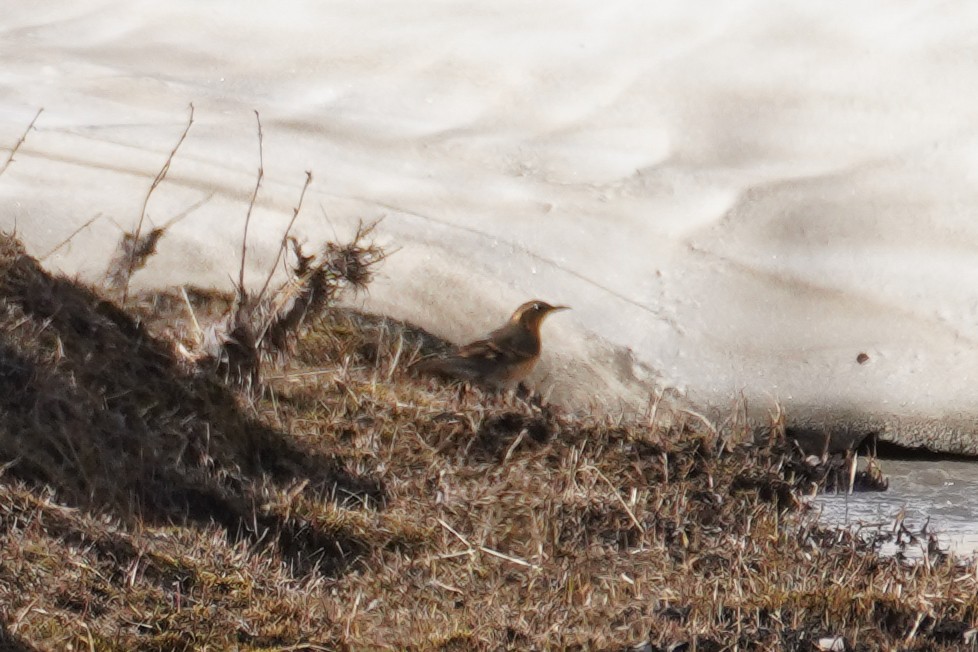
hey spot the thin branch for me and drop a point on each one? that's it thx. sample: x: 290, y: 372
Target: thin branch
x: 285, y: 236
x: 187, y: 211
x: 21, y: 141
x: 142, y: 214
x: 133, y: 254
x: 251, y: 205
x: 69, y: 238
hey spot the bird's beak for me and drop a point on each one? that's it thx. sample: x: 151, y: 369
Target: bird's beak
x: 557, y: 308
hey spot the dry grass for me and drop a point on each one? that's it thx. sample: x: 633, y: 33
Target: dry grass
x: 145, y: 505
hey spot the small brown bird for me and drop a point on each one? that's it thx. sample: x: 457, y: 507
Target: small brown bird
x: 506, y: 356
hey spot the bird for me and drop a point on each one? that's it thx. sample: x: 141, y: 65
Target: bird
x: 505, y: 357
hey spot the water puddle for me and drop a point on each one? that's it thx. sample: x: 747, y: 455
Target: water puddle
x: 944, y: 491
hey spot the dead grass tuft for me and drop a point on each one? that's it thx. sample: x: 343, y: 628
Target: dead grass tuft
x: 147, y: 505
x: 96, y: 406
x: 132, y: 254
x: 264, y: 326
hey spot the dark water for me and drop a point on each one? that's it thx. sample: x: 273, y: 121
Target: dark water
x: 945, y: 491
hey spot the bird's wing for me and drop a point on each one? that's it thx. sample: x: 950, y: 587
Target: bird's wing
x: 514, y: 343
x: 507, y: 352
x: 486, y: 349
x: 468, y: 363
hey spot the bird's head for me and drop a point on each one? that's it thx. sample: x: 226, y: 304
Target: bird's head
x: 531, y: 314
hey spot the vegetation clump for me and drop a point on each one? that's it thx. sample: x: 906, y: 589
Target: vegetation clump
x: 336, y: 502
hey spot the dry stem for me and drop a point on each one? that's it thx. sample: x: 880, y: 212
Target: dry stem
x: 251, y: 207
x: 20, y: 142
x: 142, y: 213
x: 285, y: 236
x: 70, y: 237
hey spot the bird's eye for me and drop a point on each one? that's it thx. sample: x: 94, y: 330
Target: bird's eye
x: 536, y: 306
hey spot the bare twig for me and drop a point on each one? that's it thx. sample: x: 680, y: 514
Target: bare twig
x: 132, y: 256
x: 142, y: 214
x: 285, y: 236
x: 187, y: 211
x: 69, y: 238
x: 20, y: 142
x: 134, y: 251
x: 251, y: 205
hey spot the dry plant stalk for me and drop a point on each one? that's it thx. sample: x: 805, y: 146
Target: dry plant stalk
x: 238, y: 354
x: 135, y: 249
x: 285, y: 236
x: 251, y: 206
x: 263, y: 326
x: 132, y: 253
x: 70, y: 237
x: 20, y: 142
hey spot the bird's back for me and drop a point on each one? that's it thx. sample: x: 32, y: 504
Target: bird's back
x: 514, y: 342
x: 507, y: 355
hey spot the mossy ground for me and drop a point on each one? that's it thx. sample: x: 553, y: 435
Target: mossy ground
x: 343, y: 504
